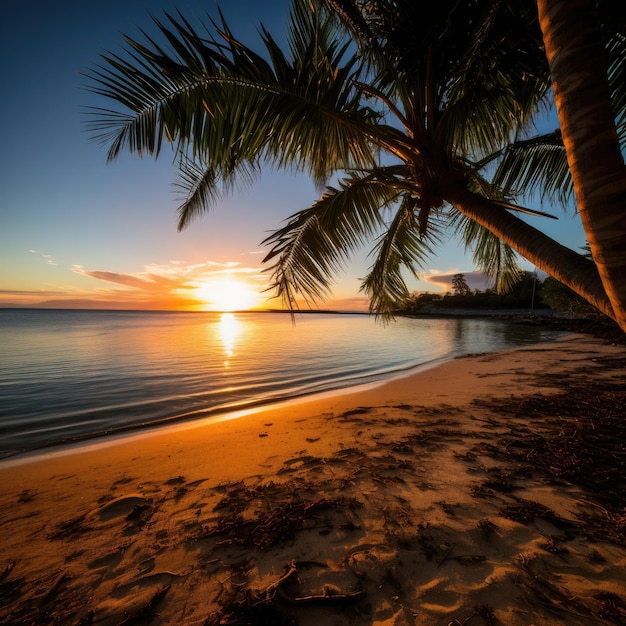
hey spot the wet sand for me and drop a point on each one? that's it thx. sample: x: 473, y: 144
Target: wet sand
x: 488, y: 490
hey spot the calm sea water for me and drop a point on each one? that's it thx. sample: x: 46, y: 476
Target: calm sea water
x: 69, y: 375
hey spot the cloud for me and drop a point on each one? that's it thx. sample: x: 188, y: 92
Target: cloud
x: 48, y: 258
x: 475, y: 280
x: 129, y: 280
x: 35, y: 292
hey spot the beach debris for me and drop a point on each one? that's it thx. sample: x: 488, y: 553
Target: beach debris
x: 542, y: 587
x: 446, y: 554
x: 467, y: 559
x: 526, y: 511
x: 554, y: 546
x: 331, y: 595
x: 254, y: 607
x: 264, y: 515
x: 574, y: 437
x: 262, y: 607
x: 237, y: 534
x: 487, y: 526
x: 362, y: 410
x: 270, y: 527
x: 612, y: 607
x: 430, y: 544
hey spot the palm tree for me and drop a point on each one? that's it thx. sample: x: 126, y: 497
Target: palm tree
x: 408, y: 112
x: 577, y: 49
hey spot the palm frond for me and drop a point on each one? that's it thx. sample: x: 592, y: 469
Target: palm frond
x: 616, y: 55
x: 351, y: 16
x: 402, y: 247
x: 497, y: 82
x: 316, y: 242
x: 538, y: 167
x: 200, y: 186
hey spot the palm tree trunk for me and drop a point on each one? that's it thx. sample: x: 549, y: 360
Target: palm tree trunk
x: 572, y: 269
x: 575, y: 53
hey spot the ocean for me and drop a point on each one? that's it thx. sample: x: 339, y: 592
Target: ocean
x: 68, y: 376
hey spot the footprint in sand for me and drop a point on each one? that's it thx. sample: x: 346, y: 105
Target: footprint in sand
x: 122, y: 506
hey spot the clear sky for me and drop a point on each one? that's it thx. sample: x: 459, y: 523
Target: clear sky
x: 78, y: 232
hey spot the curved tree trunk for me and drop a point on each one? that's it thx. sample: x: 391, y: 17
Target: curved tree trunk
x: 579, y: 75
x: 567, y: 266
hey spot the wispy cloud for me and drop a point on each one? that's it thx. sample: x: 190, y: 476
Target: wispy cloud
x: 129, y: 280
x: 41, y: 293
x: 48, y: 258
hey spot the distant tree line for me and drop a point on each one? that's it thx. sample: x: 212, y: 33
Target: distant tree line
x: 527, y: 293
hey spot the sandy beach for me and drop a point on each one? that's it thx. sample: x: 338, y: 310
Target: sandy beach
x: 487, y: 490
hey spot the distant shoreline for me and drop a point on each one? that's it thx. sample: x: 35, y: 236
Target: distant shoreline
x: 426, y: 311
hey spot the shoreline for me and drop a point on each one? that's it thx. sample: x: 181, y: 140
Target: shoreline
x: 399, y: 504
x: 130, y: 433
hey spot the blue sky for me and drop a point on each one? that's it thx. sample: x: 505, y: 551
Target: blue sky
x: 76, y: 231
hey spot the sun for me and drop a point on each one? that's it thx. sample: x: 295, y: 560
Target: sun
x: 227, y: 294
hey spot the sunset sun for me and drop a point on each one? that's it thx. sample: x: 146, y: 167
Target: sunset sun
x: 227, y: 295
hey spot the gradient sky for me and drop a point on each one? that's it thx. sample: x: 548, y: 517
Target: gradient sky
x: 78, y: 232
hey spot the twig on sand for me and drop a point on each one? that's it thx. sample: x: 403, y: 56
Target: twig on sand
x: 330, y: 596
x: 292, y: 569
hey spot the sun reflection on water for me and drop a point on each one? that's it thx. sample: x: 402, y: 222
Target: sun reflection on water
x: 229, y: 328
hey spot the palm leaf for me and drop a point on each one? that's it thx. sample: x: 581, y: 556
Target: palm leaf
x: 537, y: 166
x: 616, y: 55
x: 401, y: 247
x: 316, y: 242
x: 200, y: 186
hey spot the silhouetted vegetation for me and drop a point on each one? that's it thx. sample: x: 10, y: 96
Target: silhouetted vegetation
x: 528, y: 294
